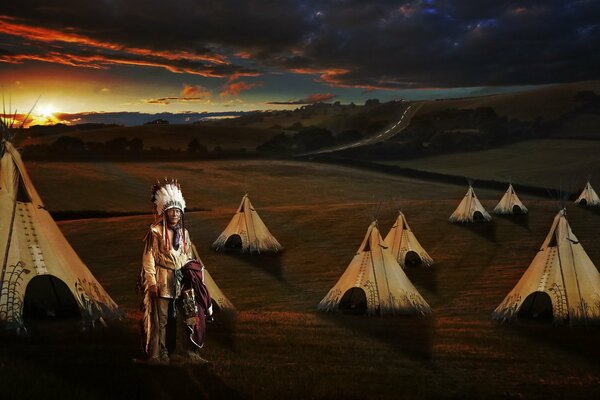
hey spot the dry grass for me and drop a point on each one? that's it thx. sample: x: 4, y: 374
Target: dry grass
x: 543, y: 163
x: 278, y: 346
x: 545, y: 103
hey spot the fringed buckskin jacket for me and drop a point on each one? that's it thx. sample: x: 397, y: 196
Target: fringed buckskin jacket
x: 161, y: 260
x: 159, y: 265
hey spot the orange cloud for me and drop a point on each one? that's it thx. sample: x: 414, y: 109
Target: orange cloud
x: 44, y: 35
x: 333, y: 77
x: 317, y: 97
x: 169, y: 100
x: 99, y: 61
x: 311, y: 99
x: 196, y: 91
x: 243, y: 54
x: 235, y: 88
x: 236, y: 75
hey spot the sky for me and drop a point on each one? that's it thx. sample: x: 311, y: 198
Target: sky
x: 151, y: 56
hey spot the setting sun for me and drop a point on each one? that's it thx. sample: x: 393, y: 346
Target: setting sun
x: 44, y: 115
x: 46, y: 110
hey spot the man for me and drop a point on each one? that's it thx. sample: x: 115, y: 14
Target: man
x: 167, y: 250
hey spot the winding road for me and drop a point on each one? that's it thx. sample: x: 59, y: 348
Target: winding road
x: 402, y: 123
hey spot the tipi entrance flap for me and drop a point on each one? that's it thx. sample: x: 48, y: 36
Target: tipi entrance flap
x: 538, y: 305
x: 234, y: 242
x: 354, y: 301
x: 48, y: 296
x: 412, y: 258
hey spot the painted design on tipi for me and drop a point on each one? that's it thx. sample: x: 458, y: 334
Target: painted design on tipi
x: 374, y: 283
x: 561, y: 282
x: 33, y: 247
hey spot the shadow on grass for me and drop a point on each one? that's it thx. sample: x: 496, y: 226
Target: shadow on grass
x: 486, y: 230
x: 521, y: 220
x: 579, y: 340
x: 424, y: 277
x: 222, y: 330
x: 411, y: 335
x: 97, y: 363
x: 593, y: 210
x: 267, y: 262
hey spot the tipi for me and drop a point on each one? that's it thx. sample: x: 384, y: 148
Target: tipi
x: 561, y: 282
x: 40, y: 271
x: 374, y: 283
x: 510, y: 203
x: 470, y: 209
x: 247, y: 232
x: 404, y: 245
x: 588, y: 197
x: 217, y: 296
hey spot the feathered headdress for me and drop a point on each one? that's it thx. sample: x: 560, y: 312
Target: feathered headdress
x: 167, y: 195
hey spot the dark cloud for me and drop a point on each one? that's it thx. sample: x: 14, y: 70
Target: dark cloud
x: 313, y: 98
x: 368, y: 44
x: 169, y: 100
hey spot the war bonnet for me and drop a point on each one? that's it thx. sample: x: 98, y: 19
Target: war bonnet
x: 167, y: 195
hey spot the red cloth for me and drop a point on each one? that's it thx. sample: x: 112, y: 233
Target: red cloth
x: 193, y: 277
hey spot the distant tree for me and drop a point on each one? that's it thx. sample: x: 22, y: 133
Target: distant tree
x: 68, y: 143
x: 278, y: 144
x: 136, y: 145
x: 119, y: 144
x: 348, y: 136
x: 195, y: 147
x: 372, y: 102
x: 160, y: 121
x: 312, y: 138
x: 296, y: 126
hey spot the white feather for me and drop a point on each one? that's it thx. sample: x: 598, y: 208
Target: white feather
x: 169, y: 196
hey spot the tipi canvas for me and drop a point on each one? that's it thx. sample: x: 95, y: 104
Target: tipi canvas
x: 374, y: 283
x: 561, y: 282
x: 247, y: 232
x: 510, y: 203
x: 588, y: 197
x: 470, y: 209
x: 40, y: 271
x: 217, y: 296
x: 404, y: 245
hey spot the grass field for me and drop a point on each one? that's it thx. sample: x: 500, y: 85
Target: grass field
x: 545, y: 103
x: 277, y: 345
x: 543, y: 163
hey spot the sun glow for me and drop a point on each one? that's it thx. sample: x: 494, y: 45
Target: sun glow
x: 44, y: 115
x: 46, y: 111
